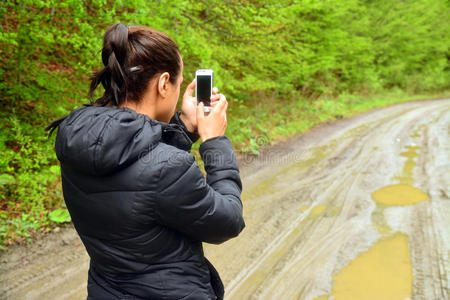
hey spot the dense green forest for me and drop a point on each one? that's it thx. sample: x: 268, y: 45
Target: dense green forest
x: 284, y: 66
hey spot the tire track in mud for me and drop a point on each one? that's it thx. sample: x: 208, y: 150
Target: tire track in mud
x: 308, y: 211
x: 432, y: 272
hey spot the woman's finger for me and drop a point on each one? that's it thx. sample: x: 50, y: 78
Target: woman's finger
x: 220, y: 106
x: 215, y: 91
x: 224, y: 110
x: 223, y: 98
x: 200, y: 111
x: 215, y: 98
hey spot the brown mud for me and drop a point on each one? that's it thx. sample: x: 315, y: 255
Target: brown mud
x: 353, y: 209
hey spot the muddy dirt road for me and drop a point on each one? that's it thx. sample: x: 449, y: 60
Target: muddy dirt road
x: 353, y: 209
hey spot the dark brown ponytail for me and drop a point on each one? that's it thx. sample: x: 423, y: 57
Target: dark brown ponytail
x: 112, y: 77
x: 132, y: 56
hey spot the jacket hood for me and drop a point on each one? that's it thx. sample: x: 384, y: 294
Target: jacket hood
x: 102, y: 140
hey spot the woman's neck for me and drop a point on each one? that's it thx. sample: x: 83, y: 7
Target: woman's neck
x: 141, y: 107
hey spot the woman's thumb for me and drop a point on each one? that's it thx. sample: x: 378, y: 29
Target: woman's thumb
x: 190, y: 89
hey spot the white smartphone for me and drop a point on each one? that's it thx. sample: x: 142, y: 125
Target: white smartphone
x: 204, y: 79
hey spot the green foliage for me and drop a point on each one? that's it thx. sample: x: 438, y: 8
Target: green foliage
x: 284, y: 66
x: 60, y: 216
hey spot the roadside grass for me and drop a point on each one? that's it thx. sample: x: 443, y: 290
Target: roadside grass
x: 32, y: 201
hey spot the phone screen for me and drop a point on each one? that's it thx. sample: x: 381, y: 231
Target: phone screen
x: 204, y: 89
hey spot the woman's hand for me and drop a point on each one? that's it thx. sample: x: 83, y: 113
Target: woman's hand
x: 215, y: 123
x: 189, y: 106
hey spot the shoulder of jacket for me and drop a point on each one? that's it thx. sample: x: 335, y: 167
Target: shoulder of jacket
x: 175, y: 164
x: 174, y: 157
x: 162, y: 156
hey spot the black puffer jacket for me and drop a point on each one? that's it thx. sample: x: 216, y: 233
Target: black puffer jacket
x: 141, y: 205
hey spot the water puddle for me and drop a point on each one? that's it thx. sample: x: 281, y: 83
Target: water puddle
x: 317, y: 154
x: 417, y: 132
x: 379, y: 221
x: 382, y: 272
x: 303, y: 208
x: 319, y: 210
x: 399, y: 195
x: 407, y: 175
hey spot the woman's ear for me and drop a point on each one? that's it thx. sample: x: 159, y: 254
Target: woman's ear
x: 163, y: 84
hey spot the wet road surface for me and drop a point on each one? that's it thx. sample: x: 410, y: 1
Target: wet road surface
x: 353, y: 209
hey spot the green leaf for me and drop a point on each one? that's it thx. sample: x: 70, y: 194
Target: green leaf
x: 60, y: 216
x: 55, y: 169
x: 6, y: 179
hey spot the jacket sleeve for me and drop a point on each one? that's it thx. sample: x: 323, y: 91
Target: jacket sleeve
x: 177, y: 135
x: 207, y: 210
x: 193, y: 136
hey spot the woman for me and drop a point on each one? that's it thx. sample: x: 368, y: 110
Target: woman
x: 135, y: 194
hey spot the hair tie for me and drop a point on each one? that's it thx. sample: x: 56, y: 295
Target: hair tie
x: 136, y: 69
